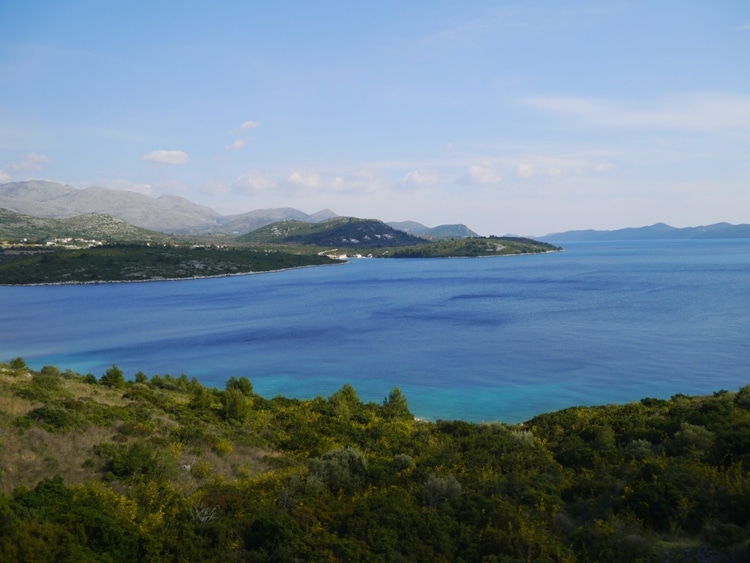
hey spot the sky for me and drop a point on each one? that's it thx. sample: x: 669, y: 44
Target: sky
x: 526, y: 117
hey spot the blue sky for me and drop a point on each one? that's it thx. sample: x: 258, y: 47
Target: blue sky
x: 511, y: 117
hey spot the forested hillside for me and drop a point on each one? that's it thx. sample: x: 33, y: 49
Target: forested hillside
x: 161, y: 468
x: 346, y: 232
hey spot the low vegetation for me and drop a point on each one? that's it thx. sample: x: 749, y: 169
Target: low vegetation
x: 470, y: 247
x: 134, y: 262
x: 112, y: 467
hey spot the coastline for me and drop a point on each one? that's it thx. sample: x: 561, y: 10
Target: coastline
x: 187, y: 278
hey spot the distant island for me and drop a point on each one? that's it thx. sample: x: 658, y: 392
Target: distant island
x: 97, y: 248
x: 659, y: 231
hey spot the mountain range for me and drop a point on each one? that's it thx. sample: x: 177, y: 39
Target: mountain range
x: 169, y: 214
x: 659, y: 231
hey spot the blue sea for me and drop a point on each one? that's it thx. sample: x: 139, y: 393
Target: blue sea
x: 479, y: 339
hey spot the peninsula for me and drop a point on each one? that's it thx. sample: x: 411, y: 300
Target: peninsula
x: 97, y: 248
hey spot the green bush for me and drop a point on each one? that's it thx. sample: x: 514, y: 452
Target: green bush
x: 135, y: 460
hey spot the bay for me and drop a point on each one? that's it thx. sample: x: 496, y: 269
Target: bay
x: 479, y: 339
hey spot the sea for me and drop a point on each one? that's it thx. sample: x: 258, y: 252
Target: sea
x: 477, y: 339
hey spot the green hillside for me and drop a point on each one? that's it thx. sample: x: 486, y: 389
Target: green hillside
x: 143, y: 263
x: 491, y: 246
x: 434, y: 233
x: 344, y: 232
x: 161, y: 468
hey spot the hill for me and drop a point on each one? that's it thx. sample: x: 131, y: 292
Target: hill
x: 161, y: 468
x: 658, y: 231
x: 469, y: 247
x: 91, y: 226
x: 52, y: 200
x: 435, y: 233
x: 348, y: 232
x: 168, y: 214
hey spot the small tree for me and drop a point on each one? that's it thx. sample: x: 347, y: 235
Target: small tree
x: 113, y: 377
x: 242, y: 385
x: 742, y: 399
x: 235, y: 407
x: 395, y: 405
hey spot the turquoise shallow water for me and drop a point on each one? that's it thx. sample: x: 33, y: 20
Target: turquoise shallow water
x: 477, y: 339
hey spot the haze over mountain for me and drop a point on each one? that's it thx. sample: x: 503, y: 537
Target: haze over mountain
x: 170, y: 214
x: 56, y: 201
x: 89, y: 226
x: 655, y: 232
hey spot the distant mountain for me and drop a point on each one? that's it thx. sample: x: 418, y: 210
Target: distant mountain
x: 440, y: 232
x: 50, y: 199
x: 171, y: 214
x: 344, y: 232
x: 658, y: 231
x: 91, y: 226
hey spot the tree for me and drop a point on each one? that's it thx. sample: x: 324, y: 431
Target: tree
x: 113, y: 377
x: 18, y: 363
x: 242, y: 385
x: 395, y: 405
x: 235, y: 406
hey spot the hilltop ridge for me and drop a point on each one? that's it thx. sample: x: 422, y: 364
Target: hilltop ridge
x: 168, y: 214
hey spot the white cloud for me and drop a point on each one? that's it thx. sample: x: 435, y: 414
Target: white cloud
x: 305, y: 179
x: 542, y: 166
x: 526, y: 170
x: 4, y: 177
x: 696, y: 111
x: 29, y: 163
x: 245, y: 126
x: 483, y: 174
x: 253, y: 181
x: 364, y: 180
x: 480, y: 174
x: 166, y: 157
x: 236, y: 145
x: 419, y: 178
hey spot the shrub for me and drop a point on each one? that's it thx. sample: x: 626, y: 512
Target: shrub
x: 49, y: 417
x: 137, y: 459
x: 402, y: 462
x: 340, y: 469
x: 639, y: 449
x: 439, y: 489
